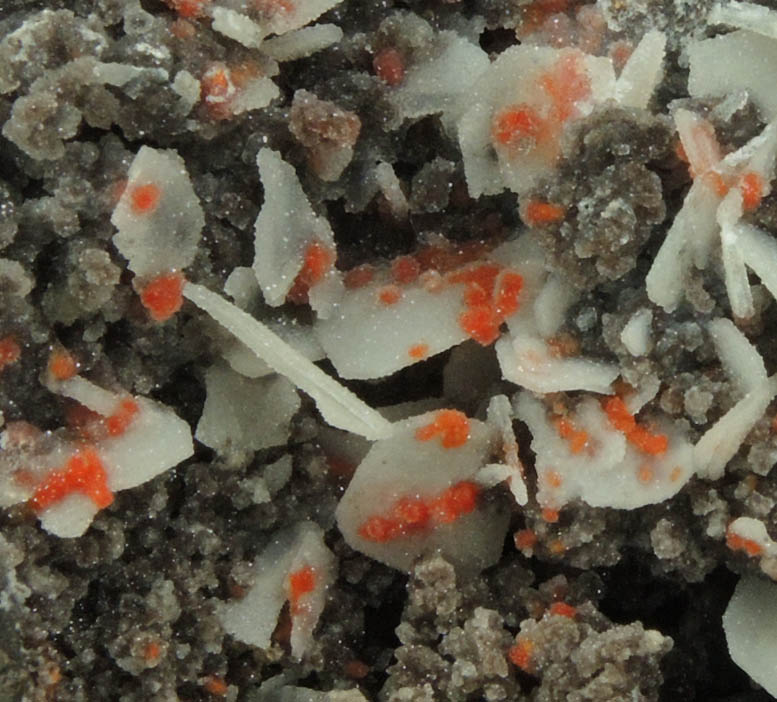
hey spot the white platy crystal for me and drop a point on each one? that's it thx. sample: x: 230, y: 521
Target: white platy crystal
x: 434, y: 85
x: 368, y: 339
x: 284, y: 229
x: 740, y: 60
x: 253, y: 618
x: 528, y: 361
x: 513, y: 79
x: 164, y: 237
x: 745, y: 15
x: 243, y: 415
x: 405, y: 467
x: 750, y: 623
x: 608, y: 471
x: 153, y: 440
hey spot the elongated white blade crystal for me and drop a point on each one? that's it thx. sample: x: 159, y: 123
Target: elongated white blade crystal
x: 722, y: 440
x: 338, y: 405
x: 739, y: 357
x: 760, y: 253
x: 735, y: 274
x: 642, y: 72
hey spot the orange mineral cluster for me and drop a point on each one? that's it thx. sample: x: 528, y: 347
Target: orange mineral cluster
x: 301, y: 582
x: 62, y: 365
x: 144, y: 198
x: 518, y: 127
x: 451, y: 426
x: 538, y: 213
x: 163, y: 296
x: 577, y: 438
x: 641, y: 438
x: 418, y: 351
x: 389, y: 66
x: 10, y: 351
x: 411, y: 515
x: 521, y: 655
x: 739, y: 543
x: 82, y: 473
x: 318, y: 261
x: 563, y: 609
x: 118, y: 422
x: 491, y: 295
x: 752, y: 186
